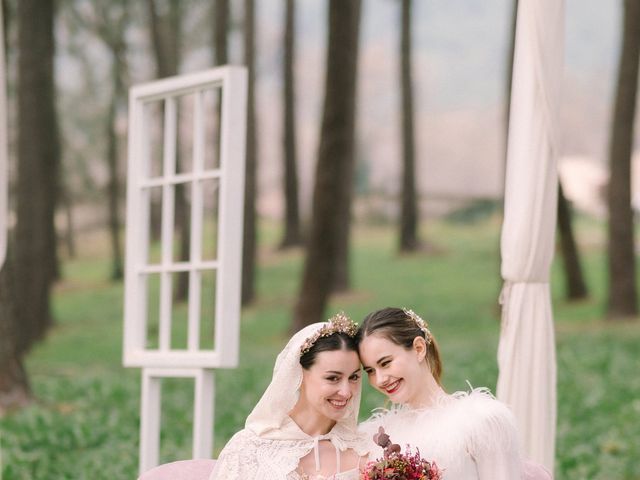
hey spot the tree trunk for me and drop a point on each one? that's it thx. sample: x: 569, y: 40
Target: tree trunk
x: 409, y: 210
x: 509, y: 79
x: 70, y: 234
x: 165, y: 35
x: 221, y: 22
x: 220, y: 14
x: 182, y: 210
x: 165, y: 38
x: 38, y: 163
x: 14, y: 383
x: 15, y: 391
x: 342, y: 274
x: 249, y: 240
x: 622, y: 281
x: 28, y: 272
x: 335, y: 163
x: 292, y: 236
x: 110, y: 25
x: 112, y: 185
x: 161, y: 72
x: 183, y: 215
x: 575, y: 284
x: 7, y: 19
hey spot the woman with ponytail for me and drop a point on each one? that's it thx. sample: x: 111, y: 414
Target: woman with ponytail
x: 470, y: 435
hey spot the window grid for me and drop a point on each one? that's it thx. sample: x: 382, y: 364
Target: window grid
x: 229, y: 151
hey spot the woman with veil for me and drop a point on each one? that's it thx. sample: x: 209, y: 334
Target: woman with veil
x: 305, y: 424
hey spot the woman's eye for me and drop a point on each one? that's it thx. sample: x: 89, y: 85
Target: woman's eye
x: 354, y: 378
x: 385, y: 363
x: 332, y: 379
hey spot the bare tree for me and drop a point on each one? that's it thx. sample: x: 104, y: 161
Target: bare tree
x: 220, y: 31
x: 69, y: 234
x: 342, y: 271
x: 109, y: 22
x: 26, y: 279
x: 113, y: 32
x: 409, y: 210
x: 249, y: 240
x: 15, y: 391
x: 509, y: 76
x: 166, y: 31
x: 165, y: 37
x: 623, y: 301
x: 576, y: 287
x: 220, y: 50
x: 38, y: 164
x: 85, y: 122
x: 335, y: 163
x: 113, y: 187
x: 292, y: 235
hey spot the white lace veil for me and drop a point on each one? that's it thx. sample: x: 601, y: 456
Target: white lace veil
x: 271, y: 412
x: 271, y: 444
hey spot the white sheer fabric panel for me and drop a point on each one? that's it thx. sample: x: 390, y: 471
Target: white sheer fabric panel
x: 526, y: 354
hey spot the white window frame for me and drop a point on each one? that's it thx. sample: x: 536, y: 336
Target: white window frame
x: 232, y: 80
x: 203, y: 412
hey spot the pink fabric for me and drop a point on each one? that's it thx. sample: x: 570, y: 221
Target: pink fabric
x: 198, y: 469
x: 534, y: 471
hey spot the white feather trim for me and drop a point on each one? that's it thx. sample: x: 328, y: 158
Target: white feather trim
x: 459, y: 432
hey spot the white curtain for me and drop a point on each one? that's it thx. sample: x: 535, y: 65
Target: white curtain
x: 4, y: 171
x: 526, y: 353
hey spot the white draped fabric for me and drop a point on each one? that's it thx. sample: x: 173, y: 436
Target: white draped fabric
x: 526, y: 353
x: 4, y: 171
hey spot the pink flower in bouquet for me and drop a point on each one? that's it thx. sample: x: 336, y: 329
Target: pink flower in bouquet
x: 395, y: 465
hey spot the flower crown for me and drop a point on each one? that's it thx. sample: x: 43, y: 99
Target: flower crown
x: 420, y: 323
x: 339, y: 323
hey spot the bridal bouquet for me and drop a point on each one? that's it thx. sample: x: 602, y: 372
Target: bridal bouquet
x: 395, y: 465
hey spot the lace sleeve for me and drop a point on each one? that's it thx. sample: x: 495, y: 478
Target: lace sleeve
x: 249, y: 457
x: 228, y: 464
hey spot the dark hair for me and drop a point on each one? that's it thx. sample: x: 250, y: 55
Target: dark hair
x: 397, y: 327
x: 335, y: 341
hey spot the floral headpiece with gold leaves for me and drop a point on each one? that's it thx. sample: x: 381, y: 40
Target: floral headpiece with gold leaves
x: 339, y: 323
x: 421, y: 324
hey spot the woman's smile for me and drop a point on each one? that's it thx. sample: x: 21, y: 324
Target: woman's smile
x: 338, y: 403
x: 392, y: 388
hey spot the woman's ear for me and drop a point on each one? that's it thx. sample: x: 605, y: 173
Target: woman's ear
x: 420, y: 347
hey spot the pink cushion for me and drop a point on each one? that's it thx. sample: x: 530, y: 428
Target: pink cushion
x: 198, y: 469
x: 534, y: 471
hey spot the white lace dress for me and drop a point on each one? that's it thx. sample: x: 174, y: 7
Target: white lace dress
x: 348, y: 475
x: 249, y: 457
x: 471, y: 436
x: 271, y: 445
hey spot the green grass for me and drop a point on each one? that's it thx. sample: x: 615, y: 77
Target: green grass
x: 84, y: 423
